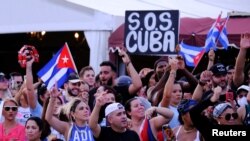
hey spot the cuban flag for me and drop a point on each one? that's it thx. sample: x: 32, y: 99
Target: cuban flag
x: 223, y: 35
x: 146, y: 133
x: 191, y: 54
x: 213, y: 34
x: 58, y: 68
x: 217, y: 33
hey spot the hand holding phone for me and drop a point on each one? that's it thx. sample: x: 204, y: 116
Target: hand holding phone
x: 229, y: 96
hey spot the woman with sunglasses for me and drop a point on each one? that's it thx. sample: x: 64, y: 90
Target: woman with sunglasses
x: 10, y: 129
x: 224, y: 115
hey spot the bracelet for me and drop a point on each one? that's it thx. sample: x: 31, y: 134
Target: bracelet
x: 172, y: 74
x: 202, y: 83
x: 128, y: 63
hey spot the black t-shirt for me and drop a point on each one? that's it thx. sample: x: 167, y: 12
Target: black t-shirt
x: 124, y: 94
x: 108, y: 134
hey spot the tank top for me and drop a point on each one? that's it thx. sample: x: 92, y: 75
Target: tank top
x: 80, y: 133
x: 197, y: 138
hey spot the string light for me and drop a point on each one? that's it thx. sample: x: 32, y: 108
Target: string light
x: 76, y: 35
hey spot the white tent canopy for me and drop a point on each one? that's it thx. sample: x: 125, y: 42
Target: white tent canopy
x: 188, y: 8
x: 57, y: 15
x: 98, y: 18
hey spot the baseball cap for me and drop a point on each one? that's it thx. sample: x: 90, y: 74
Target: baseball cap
x: 113, y: 107
x: 220, y: 108
x: 2, y: 77
x: 218, y: 69
x: 243, y: 87
x: 229, y: 67
x: 123, y: 80
x: 73, y: 78
x: 186, y: 105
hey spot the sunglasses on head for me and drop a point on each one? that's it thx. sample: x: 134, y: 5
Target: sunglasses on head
x: 76, y: 84
x: 228, y: 116
x: 13, y: 108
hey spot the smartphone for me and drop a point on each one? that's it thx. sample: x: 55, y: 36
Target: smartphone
x: 168, y: 133
x: 229, y: 96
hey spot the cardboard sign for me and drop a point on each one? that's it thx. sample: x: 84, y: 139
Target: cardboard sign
x: 151, y: 32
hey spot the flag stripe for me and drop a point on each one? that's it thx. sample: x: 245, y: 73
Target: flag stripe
x: 56, y: 77
x: 48, y: 74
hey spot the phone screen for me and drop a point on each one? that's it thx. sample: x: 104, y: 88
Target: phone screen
x: 229, y: 96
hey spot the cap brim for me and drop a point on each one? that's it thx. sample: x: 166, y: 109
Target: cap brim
x: 75, y: 80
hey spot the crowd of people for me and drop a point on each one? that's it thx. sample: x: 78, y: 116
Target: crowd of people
x: 164, y: 103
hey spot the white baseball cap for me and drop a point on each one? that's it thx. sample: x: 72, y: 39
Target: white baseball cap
x: 113, y: 107
x: 243, y: 87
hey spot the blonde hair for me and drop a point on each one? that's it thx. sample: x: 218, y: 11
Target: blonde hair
x: 10, y: 100
x: 66, y: 109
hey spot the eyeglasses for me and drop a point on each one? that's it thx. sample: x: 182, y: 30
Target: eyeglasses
x: 229, y: 115
x: 13, y: 108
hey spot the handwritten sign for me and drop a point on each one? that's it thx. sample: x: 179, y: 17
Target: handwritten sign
x: 151, y: 32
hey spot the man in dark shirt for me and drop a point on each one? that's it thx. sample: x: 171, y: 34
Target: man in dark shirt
x: 108, y: 75
x: 116, y: 118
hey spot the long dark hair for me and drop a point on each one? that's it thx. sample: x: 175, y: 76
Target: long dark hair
x: 40, y: 125
x: 128, y: 106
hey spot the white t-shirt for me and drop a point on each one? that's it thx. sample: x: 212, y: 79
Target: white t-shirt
x: 23, y: 114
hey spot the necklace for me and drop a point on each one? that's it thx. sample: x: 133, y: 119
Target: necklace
x: 188, y: 131
x: 80, y: 131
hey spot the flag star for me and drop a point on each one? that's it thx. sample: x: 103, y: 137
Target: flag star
x: 65, y: 59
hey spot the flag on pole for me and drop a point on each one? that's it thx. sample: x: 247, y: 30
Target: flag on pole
x: 191, y: 54
x: 212, y: 35
x: 58, y: 68
x: 223, y: 34
x: 217, y: 32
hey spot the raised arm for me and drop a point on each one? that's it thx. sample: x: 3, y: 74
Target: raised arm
x: 164, y: 115
x: 93, y: 120
x: 238, y: 77
x: 60, y: 126
x: 211, y: 57
x: 20, y: 93
x: 168, y: 88
x: 182, y: 71
x: 136, y: 80
x: 198, y: 92
x: 32, y: 97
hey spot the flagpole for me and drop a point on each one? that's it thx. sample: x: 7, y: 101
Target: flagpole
x: 70, y: 55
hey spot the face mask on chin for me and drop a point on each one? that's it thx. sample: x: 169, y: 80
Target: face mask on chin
x: 242, y: 101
